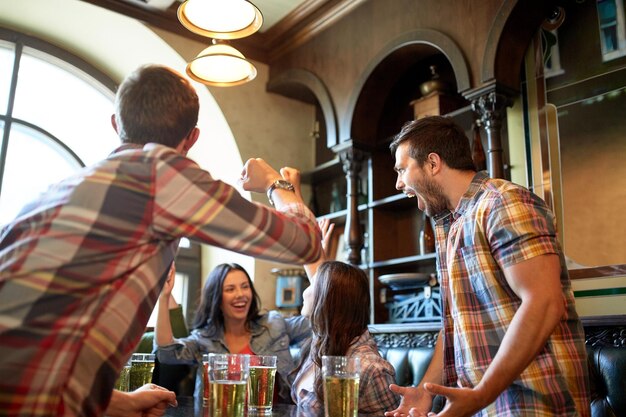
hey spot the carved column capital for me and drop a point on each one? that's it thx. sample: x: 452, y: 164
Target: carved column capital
x: 351, y: 159
x: 491, y: 108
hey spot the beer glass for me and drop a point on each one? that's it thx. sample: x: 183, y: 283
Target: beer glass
x: 123, y: 381
x: 261, y: 384
x: 228, y: 379
x: 341, y: 386
x: 141, y: 367
x: 206, y: 387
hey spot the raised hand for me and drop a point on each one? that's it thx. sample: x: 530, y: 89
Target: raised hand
x: 327, y: 229
x: 293, y: 176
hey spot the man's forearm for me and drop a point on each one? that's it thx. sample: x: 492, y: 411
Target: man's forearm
x: 434, y: 372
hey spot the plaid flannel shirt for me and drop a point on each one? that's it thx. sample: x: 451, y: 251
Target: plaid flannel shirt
x: 498, y: 224
x: 81, y: 269
x: 375, y: 397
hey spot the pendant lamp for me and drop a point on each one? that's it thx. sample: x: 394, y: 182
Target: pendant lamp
x: 221, y: 65
x: 220, y: 19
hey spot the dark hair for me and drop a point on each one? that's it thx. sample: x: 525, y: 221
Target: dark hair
x: 436, y: 134
x: 340, y: 314
x: 155, y: 104
x: 209, y: 313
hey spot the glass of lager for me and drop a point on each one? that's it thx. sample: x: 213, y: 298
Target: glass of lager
x: 261, y: 384
x: 228, y: 379
x: 341, y: 386
x: 206, y: 391
x: 123, y: 381
x: 141, y: 367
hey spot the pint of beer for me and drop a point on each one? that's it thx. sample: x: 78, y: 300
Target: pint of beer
x: 341, y: 386
x: 141, y: 367
x: 261, y: 384
x: 228, y: 379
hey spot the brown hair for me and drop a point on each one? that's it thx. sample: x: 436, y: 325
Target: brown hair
x: 340, y: 313
x: 209, y: 314
x: 436, y: 134
x: 155, y: 104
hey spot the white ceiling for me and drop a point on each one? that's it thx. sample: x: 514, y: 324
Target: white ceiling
x: 274, y: 10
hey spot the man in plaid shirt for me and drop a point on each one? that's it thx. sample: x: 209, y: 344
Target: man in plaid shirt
x: 512, y: 343
x: 82, y: 266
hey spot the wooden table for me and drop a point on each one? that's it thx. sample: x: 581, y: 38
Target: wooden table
x: 188, y: 407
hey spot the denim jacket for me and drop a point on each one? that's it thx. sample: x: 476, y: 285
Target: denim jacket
x: 272, y: 334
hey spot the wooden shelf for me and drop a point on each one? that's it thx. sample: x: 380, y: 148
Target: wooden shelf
x: 416, y: 259
x: 323, y: 172
x: 404, y: 327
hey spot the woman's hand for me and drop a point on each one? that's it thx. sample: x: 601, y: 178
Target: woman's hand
x: 327, y: 229
x: 293, y: 176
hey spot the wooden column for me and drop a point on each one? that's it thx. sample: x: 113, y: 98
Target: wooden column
x: 352, y: 159
x: 491, y: 110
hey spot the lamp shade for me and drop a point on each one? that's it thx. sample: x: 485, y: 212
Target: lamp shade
x: 220, y: 19
x: 221, y: 65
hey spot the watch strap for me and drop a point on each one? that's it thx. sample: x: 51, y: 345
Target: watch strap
x: 283, y: 185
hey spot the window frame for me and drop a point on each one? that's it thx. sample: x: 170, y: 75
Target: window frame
x: 20, y: 40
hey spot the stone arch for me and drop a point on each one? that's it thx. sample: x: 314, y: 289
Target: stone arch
x: 422, y: 41
x: 307, y: 87
x: 512, y: 30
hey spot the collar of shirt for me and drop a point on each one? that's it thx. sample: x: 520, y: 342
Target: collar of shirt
x: 477, y: 182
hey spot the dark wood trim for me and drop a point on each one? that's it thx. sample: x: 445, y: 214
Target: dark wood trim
x: 299, y: 26
x: 304, y: 26
x: 594, y: 321
x: 604, y: 271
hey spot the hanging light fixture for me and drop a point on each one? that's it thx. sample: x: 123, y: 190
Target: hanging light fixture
x: 221, y: 65
x: 220, y: 19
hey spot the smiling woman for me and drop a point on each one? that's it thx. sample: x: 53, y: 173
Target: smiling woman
x: 229, y: 320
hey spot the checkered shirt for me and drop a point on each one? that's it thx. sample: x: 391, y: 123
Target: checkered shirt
x: 495, y: 225
x: 82, y: 267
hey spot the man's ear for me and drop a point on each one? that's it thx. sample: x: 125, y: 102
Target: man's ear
x: 191, y: 139
x: 433, y: 163
x: 114, y: 123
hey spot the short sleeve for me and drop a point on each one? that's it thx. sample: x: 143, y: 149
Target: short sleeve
x: 519, y: 226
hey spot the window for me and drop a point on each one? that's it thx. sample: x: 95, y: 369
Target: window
x: 54, y: 118
x: 612, y: 25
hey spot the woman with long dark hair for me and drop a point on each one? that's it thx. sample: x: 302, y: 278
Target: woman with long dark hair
x: 338, y: 304
x: 229, y: 320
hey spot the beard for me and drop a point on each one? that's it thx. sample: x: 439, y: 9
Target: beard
x: 434, y: 200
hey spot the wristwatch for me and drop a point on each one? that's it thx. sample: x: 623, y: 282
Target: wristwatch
x: 283, y: 185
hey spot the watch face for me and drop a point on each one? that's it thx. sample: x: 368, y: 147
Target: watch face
x: 284, y: 184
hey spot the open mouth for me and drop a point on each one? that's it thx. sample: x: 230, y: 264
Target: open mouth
x: 240, y: 305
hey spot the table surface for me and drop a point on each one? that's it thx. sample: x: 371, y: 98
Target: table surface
x: 189, y: 407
